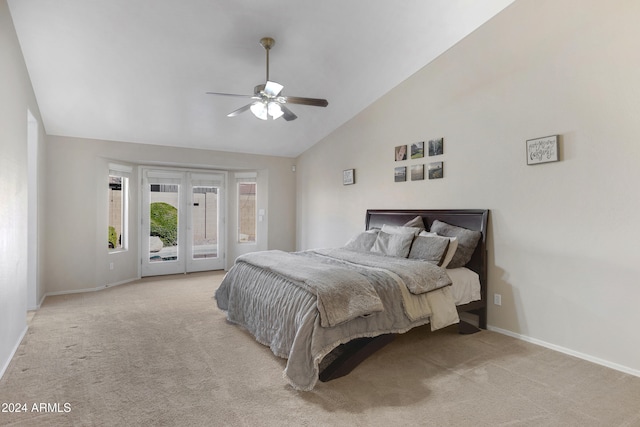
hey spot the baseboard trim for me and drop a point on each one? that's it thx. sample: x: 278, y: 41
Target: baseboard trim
x: 100, y: 288
x: 122, y: 282
x: 13, y: 352
x: 37, y: 307
x: 579, y: 355
x: 74, y: 291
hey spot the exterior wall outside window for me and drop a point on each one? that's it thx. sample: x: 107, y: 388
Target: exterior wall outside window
x: 247, y: 212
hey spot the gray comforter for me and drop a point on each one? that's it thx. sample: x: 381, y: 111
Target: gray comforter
x: 304, y: 304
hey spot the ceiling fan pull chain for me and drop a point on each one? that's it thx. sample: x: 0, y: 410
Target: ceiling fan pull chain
x: 267, y: 43
x: 267, y: 65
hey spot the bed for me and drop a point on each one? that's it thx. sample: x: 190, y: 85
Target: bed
x: 290, y: 301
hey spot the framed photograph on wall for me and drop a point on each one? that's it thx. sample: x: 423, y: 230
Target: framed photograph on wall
x: 542, y: 150
x: 417, y: 150
x: 400, y: 174
x: 436, y: 170
x: 417, y: 172
x: 349, y: 177
x: 436, y: 147
x: 401, y: 153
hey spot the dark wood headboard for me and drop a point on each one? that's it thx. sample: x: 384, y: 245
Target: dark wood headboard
x: 472, y: 219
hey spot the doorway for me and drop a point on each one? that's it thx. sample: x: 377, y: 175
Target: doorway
x: 182, y: 221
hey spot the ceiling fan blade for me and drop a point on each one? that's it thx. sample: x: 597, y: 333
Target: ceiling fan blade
x: 239, y: 110
x: 315, y: 102
x: 230, y: 94
x: 272, y: 88
x: 287, y: 114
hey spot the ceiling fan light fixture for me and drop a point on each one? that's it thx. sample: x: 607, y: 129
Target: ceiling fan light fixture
x: 274, y: 110
x: 259, y: 109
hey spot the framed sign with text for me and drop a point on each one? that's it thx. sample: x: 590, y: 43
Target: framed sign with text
x: 542, y: 150
x: 348, y: 177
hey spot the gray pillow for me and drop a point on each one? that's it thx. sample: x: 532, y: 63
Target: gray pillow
x: 363, y: 242
x: 397, y: 245
x: 401, y: 229
x: 432, y: 249
x: 416, y: 222
x: 467, y: 241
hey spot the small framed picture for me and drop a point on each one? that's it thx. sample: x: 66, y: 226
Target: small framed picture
x: 542, y: 150
x: 348, y: 177
x: 417, y: 172
x: 436, y: 170
x: 400, y: 174
x: 401, y: 153
x: 417, y: 150
x: 436, y: 147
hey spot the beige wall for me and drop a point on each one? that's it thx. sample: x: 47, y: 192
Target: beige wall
x: 76, y: 207
x: 16, y: 97
x: 563, y: 236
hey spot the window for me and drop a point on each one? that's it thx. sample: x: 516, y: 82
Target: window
x: 247, y: 207
x: 118, y: 207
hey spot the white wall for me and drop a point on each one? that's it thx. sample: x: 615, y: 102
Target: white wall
x: 76, y: 255
x: 16, y: 98
x: 563, y: 236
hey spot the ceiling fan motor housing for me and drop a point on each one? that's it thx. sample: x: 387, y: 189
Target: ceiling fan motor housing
x: 267, y: 42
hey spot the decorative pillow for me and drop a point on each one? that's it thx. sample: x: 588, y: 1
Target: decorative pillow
x: 363, y: 242
x: 397, y: 245
x: 416, y: 222
x: 467, y: 241
x: 432, y: 249
x: 451, y: 250
x: 400, y: 229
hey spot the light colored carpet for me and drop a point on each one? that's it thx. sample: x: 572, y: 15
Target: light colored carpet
x: 159, y: 352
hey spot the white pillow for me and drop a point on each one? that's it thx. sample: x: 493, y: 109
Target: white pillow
x: 453, y: 245
x: 399, y: 229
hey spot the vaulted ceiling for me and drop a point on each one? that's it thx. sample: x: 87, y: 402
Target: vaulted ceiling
x: 138, y: 70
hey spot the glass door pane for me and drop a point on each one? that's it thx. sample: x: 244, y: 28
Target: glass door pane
x: 204, y: 215
x: 163, y: 222
x: 206, y: 219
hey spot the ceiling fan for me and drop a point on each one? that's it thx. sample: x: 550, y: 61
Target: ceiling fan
x: 268, y: 100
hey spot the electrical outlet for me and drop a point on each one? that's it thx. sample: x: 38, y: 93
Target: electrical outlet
x: 497, y: 299
x: 110, y: 266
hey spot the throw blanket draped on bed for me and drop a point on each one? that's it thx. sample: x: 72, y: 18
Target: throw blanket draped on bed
x: 343, y: 294
x: 419, y: 276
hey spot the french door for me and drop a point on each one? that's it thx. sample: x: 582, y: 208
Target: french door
x: 182, y: 221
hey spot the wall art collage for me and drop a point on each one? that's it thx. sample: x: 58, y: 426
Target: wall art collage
x: 416, y: 172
